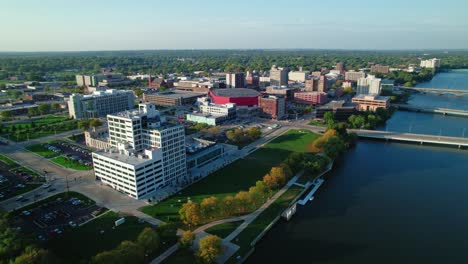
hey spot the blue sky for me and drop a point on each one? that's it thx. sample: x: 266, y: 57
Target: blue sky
x: 58, y: 25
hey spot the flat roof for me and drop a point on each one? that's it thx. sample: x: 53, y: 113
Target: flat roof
x: 176, y: 94
x: 235, y: 92
x: 372, y: 97
x: 115, y: 155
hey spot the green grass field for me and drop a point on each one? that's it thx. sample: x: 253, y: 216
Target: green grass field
x: 42, y: 127
x: 41, y: 150
x: 84, y: 242
x: 223, y: 230
x: 181, y: 256
x: 68, y: 163
x: 263, y: 220
x: 237, y: 176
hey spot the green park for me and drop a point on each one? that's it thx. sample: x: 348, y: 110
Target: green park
x: 238, y: 176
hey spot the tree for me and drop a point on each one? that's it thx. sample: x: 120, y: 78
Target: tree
x: 95, y: 123
x: 228, y: 205
x: 254, y: 133
x: 10, y: 243
x: 127, y: 252
x: 138, y: 92
x: 44, y: 109
x: 242, y: 199
x: 329, y: 118
x: 33, y: 111
x: 7, y: 114
x: 210, y: 249
x: 84, y: 124
x: 333, y: 147
x: 32, y: 255
x: 56, y: 107
x: 186, y: 240
x: 149, y: 240
x: 190, y: 214
x: 209, y: 207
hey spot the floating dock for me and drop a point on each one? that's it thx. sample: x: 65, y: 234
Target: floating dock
x: 317, y: 183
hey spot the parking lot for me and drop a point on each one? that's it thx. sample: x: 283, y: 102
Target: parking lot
x: 15, y: 180
x: 54, y: 216
x: 73, y: 152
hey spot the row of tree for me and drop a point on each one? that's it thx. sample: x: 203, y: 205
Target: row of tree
x: 193, y: 214
x: 147, y: 243
x: 237, y: 135
x: 65, y: 65
x: 210, y: 247
x: 370, y: 120
x: 86, y: 124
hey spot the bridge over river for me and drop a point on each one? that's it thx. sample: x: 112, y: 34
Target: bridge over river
x: 437, y: 110
x: 414, y: 138
x: 457, y: 92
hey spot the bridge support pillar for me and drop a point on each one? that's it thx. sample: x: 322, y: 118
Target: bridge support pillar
x: 421, y: 142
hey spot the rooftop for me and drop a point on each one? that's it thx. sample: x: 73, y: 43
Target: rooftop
x: 114, y: 154
x: 176, y: 94
x: 372, y: 97
x: 235, y: 92
x: 337, y: 104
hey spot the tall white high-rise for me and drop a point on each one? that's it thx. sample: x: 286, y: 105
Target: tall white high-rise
x: 146, y: 154
x: 369, y: 85
x: 431, y: 63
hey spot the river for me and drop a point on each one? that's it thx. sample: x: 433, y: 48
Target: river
x: 385, y: 202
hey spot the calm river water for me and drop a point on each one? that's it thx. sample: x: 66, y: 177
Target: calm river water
x: 386, y: 202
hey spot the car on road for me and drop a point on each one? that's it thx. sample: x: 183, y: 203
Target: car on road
x: 19, y: 197
x: 45, y: 186
x: 26, y: 213
x: 72, y: 224
x: 51, y: 190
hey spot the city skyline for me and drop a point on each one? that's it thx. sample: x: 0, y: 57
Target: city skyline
x: 53, y: 25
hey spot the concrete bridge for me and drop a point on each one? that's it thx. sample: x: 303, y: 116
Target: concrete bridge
x: 457, y: 92
x: 443, y: 111
x: 413, y: 138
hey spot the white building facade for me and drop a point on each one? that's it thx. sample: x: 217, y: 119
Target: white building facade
x: 100, y: 103
x: 140, y: 140
x: 369, y: 85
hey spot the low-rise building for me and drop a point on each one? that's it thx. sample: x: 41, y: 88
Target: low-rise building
x: 100, y: 104
x: 377, y: 68
x: 371, y: 102
x: 172, y: 98
x: 272, y: 106
x: 97, y: 138
x: 313, y: 98
x: 340, y: 109
x: 354, y: 76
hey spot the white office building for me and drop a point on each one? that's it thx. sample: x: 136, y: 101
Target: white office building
x: 431, y: 63
x: 146, y: 155
x: 369, y: 85
x: 298, y: 76
x: 207, y: 107
x: 100, y: 103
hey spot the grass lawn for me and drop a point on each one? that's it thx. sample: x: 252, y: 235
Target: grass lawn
x: 223, y: 230
x: 68, y: 163
x: 263, y: 220
x: 8, y: 161
x: 41, y: 150
x: 86, y: 241
x: 317, y: 123
x: 181, y: 256
x: 43, y: 127
x: 239, y: 175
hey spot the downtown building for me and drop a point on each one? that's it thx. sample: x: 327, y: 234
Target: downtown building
x: 235, y: 80
x: 100, y: 103
x: 354, y: 76
x: 279, y: 76
x: 432, y: 63
x: 369, y: 85
x: 145, y: 155
x: 272, y: 106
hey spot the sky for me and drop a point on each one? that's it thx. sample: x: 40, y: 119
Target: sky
x: 80, y: 25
